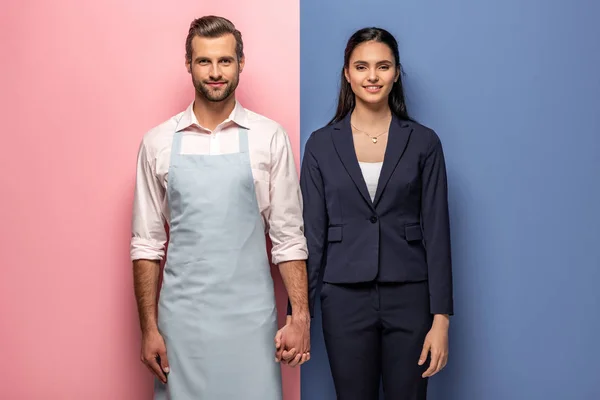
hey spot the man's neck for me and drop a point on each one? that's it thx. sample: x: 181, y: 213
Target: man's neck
x: 211, y: 113
x: 369, y: 116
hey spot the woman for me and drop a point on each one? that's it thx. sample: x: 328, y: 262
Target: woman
x: 376, y: 221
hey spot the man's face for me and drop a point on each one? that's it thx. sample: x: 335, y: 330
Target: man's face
x: 214, y: 67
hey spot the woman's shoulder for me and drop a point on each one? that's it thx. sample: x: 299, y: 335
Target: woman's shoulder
x: 319, y: 137
x: 422, y: 134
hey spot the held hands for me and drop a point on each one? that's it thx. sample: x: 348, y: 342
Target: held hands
x: 436, y: 343
x: 154, y: 354
x: 292, y: 342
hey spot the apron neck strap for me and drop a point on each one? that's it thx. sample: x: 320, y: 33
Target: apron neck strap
x: 176, y: 146
x: 243, y: 140
x: 242, y: 135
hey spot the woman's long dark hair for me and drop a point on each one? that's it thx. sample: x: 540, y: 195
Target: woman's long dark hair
x: 346, y: 100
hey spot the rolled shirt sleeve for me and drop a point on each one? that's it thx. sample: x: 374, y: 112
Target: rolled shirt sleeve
x: 286, y: 227
x: 149, y: 235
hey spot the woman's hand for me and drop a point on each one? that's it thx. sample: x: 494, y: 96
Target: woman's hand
x: 436, y: 343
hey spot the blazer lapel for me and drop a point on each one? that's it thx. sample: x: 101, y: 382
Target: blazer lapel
x: 397, y: 141
x: 344, y: 145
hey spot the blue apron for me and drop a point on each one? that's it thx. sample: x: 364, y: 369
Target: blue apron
x: 217, y: 310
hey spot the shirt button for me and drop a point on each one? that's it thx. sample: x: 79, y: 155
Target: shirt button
x: 373, y: 219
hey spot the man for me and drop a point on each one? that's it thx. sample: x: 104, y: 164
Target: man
x: 221, y: 177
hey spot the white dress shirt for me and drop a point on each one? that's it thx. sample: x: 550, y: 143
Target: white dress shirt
x: 273, y: 169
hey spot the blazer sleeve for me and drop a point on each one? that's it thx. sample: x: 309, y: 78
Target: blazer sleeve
x: 315, y: 219
x: 436, y: 229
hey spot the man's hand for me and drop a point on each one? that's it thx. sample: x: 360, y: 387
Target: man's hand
x: 154, y: 354
x: 145, y: 278
x: 292, y: 342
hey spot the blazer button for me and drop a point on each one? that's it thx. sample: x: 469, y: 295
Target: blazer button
x: 373, y: 219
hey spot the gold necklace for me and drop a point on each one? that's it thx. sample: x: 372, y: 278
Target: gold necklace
x: 373, y: 138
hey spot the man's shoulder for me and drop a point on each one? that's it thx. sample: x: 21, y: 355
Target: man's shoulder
x: 158, y: 134
x: 263, y: 125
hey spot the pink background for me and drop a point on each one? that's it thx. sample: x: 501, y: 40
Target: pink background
x: 81, y: 82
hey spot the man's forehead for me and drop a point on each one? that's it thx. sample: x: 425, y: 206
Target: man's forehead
x: 218, y: 46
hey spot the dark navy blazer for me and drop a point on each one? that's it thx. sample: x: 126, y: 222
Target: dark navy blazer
x: 401, y: 236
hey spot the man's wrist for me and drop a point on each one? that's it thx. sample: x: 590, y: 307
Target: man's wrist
x: 149, y: 328
x: 300, y: 316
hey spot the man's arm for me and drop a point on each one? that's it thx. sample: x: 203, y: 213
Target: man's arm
x: 147, y: 249
x: 145, y: 280
x: 295, y: 281
x: 286, y: 225
x: 289, y: 252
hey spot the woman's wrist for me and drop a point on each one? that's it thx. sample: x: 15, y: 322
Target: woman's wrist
x: 443, y: 320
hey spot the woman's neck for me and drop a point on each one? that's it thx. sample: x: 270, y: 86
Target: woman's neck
x: 371, y: 117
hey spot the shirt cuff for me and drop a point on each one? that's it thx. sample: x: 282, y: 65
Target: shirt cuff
x: 291, y: 250
x: 146, y: 249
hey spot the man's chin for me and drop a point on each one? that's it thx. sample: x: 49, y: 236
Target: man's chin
x: 212, y: 97
x: 216, y: 99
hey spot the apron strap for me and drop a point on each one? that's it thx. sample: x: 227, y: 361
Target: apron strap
x: 243, y: 138
x: 176, y: 146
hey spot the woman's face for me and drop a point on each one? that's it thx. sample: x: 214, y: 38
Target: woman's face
x: 372, y: 72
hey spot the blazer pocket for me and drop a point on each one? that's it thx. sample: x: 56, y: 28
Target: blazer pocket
x: 413, y: 232
x: 334, y: 234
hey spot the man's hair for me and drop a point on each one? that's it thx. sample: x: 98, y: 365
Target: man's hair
x: 211, y: 26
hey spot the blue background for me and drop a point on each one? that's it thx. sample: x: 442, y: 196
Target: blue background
x: 512, y: 88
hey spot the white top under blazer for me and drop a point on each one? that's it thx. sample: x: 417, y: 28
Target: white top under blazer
x: 371, y: 172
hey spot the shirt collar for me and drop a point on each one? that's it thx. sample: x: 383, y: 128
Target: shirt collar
x: 238, y: 115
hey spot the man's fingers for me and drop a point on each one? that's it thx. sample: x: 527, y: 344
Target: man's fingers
x: 278, y: 345
x: 279, y: 354
x: 278, y: 338
x: 152, y: 363
x: 163, y: 361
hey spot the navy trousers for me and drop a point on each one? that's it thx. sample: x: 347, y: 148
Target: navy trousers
x: 374, y: 333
